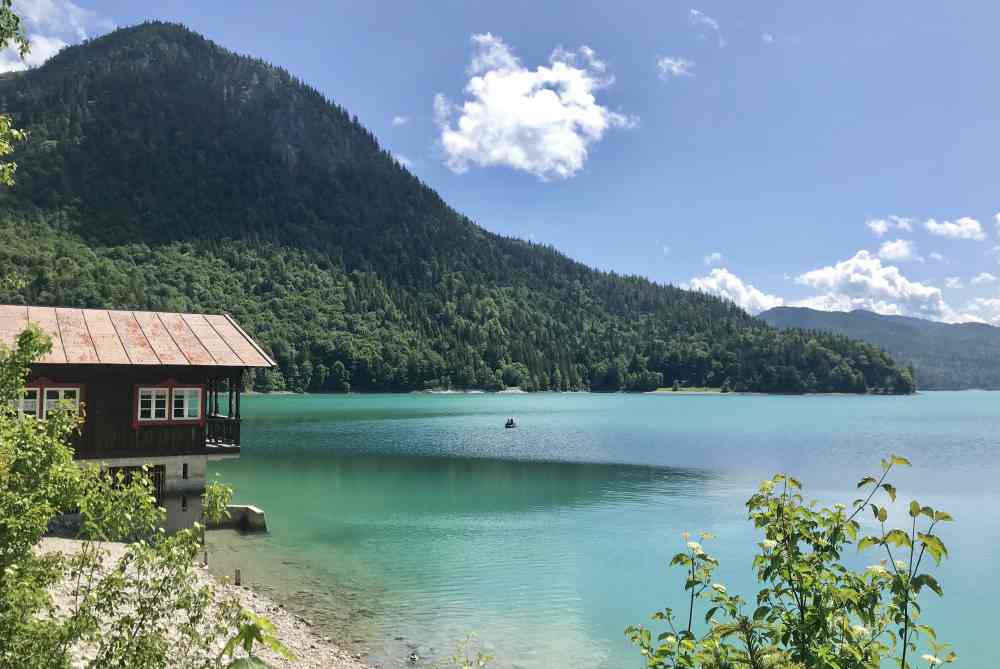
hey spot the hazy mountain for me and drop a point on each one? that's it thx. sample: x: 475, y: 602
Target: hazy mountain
x: 943, y: 355
x: 165, y: 172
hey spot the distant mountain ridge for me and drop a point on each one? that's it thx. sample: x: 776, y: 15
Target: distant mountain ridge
x: 945, y: 356
x: 164, y: 172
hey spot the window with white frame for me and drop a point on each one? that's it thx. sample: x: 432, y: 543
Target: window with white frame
x: 186, y: 404
x: 27, y: 405
x: 54, y: 398
x: 152, y: 405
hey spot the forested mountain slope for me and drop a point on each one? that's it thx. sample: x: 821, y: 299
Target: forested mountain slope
x: 945, y: 356
x: 164, y: 172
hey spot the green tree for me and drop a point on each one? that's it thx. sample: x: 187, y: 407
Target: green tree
x: 812, y: 611
x: 146, y: 609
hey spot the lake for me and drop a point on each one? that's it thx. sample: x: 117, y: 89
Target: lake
x: 400, y: 523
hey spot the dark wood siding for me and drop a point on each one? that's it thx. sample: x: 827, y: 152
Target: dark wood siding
x: 109, y: 401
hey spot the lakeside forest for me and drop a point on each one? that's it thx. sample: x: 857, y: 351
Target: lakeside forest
x: 164, y: 172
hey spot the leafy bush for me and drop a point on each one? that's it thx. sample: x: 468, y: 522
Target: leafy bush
x: 812, y: 611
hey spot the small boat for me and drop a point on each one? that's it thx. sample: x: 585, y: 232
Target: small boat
x: 510, y: 424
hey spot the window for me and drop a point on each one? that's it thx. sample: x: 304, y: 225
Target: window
x: 184, y: 471
x: 186, y: 404
x: 54, y: 397
x: 28, y: 404
x: 152, y: 404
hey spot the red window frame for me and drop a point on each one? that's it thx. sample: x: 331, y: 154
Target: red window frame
x: 43, y: 384
x: 169, y: 386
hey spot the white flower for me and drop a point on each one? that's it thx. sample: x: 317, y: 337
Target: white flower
x: 719, y: 588
x: 860, y: 630
x: 930, y: 659
x: 840, y: 507
x: 769, y: 544
x: 695, y: 546
x: 877, y: 570
x: 901, y: 566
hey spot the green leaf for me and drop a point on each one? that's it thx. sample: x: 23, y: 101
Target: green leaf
x: 941, y: 516
x: 710, y: 613
x: 248, y: 663
x: 891, y: 490
x: 761, y: 612
x: 867, y: 543
x: 866, y: 481
x: 926, y: 580
x: 899, y: 460
x: 898, y: 538
x: 934, y: 546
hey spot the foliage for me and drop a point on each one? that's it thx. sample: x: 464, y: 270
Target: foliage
x: 164, y: 172
x: 147, y: 608
x: 10, y: 31
x: 254, y: 629
x: 812, y: 611
x: 944, y: 356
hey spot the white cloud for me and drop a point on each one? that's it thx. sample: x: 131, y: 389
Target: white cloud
x: 666, y: 249
x: 400, y: 120
x: 953, y: 282
x: 982, y: 310
x: 712, y: 258
x: 767, y: 38
x: 541, y: 121
x: 863, y: 282
x: 729, y: 286
x: 50, y: 26
x: 996, y: 217
x: 703, y: 20
x: 934, y: 255
x: 981, y: 278
x: 900, y: 250
x: 963, y: 228
x: 674, y: 67
x: 880, y: 226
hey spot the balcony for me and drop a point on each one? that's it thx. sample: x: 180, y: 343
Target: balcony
x: 222, y: 434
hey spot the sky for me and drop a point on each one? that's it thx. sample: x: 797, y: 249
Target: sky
x: 775, y: 153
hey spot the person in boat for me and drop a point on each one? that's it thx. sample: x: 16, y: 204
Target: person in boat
x: 510, y: 423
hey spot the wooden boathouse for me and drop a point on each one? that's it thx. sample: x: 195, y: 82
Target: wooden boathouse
x: 157, y: 389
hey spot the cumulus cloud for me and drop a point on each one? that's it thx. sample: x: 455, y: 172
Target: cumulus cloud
x: 723, y: 283
x: 863, y: 282
x: 400, y: 120
x: 51, y: 25
x: 541, y: 121
x: 899, y: 250
x: 934, y: 255
x: 707, y: 24
x: 712, y: 258
x: 880, y: 226
x: 981, y: 278
x: 963, y: 228
x: 767, y: 38
x: 983, y: 310
x: 671, y: 68
x: 953, y: 282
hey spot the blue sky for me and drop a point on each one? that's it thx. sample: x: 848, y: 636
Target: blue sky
x: 773, y: 152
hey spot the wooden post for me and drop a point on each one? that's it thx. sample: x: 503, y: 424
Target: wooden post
x: 215, y: 385
x: 239, y: 391
x: 230, y: 411
x: 237, y: 580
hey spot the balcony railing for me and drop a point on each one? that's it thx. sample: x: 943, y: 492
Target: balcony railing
x: 222, y: 431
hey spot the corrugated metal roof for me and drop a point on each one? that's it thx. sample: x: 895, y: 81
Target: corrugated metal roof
x: 108, y: 337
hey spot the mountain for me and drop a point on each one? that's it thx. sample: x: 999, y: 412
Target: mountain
x: 944, y: 356
x: 165, y: 172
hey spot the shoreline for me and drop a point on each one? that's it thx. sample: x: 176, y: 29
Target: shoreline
x: 311, y: 650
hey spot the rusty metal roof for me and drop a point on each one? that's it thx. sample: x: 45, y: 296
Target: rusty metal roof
x: 109, y: 337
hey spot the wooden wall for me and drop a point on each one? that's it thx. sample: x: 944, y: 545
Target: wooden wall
x: 109, y: 400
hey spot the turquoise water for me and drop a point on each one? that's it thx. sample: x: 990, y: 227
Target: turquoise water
x: 399, y: 523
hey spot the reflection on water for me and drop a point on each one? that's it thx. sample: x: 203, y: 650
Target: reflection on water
x: 399, y: 524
